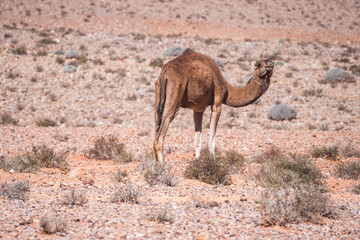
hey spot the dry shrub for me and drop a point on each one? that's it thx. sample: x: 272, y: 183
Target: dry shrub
x: 208, y: 169
x: 356, y: 189
x: 6, y: 118
x: 41, y: 156
x: 109, y: 147
x: 158, y: 173
x: 348, y: 170
x: 128, y: 194
x: 350, y: 150
x: 45, y: 122
x: 283, y: 171
x: 120, y: 176
x: 53, y: 224
x: 75, y: 197
x: 162, y: 216
x: 294, y: 191
x: 19, y: 51
x: 330, y: 152
x: 272, y: 154
x: 15, y: 190
x: 293, y: 204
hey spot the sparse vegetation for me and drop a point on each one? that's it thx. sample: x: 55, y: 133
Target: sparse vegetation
x: 75, y: 197
x: 41, y: 156
x: 158, y: 173
x: 293, y: 204
x: 272, y: 154
x: 356, y: 189
x: 162, y: 216
x: 350, y: 150
x: 294, y: 191
x: 52, y: 225
x: 130, y: 194
x: 120, y: 175
x: 109, y: 147
x: 330, y: 152
x: 348, y: 170
x: 6, y: 118
x: 157, y: 62
x: 285, y: 172
x: 15, y: 190
x: 45, y: 122
x: 208, y: 169
x: 20, y: 51
x: 46, y: 41
x: 60, y: 60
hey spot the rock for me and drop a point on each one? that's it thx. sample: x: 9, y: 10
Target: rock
x: 69, y: 69
x: 338, y: 75
x: 219, y: 63
x: 59, y: 52
x: 174, y: 51
x: 71, y: 54
x: 281, y: 112
x: 140, y: 59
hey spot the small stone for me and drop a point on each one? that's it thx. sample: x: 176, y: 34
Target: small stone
x: 281, y: 112
x: 71, y: 54
x: 69, y: 69
x: 59, y: 52
x: 174, y: 51
x: 338, y: 75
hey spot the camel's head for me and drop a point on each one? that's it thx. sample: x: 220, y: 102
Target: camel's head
x: 264, y: 67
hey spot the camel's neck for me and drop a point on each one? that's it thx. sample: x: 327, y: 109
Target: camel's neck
x: 239, y: 97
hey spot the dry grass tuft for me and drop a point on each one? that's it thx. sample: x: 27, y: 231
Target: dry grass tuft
x: 350, y: 150
x: 296, y: 203
x: 41, y: 156
x: 356, y: 189
x: 348, y: 170
x: 158, y: 173
x: 75, y: 197
x: 52, y: 225
x: 109, y: 147
x: 130, y: 194
x: 120, y: 176
x: 45, y: 122
x: 162, y: 216
x: 6, y: 118
x: 209, y: 169
x: 272, y: 154
x: 294, y: 191
x: 331, y: 152
x: 15, y: 190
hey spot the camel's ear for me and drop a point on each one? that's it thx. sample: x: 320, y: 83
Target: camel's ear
x: 255, y: 63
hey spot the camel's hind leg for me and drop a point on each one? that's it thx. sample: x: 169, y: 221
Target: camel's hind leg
x: 198, y: 117
x: 169, y: 100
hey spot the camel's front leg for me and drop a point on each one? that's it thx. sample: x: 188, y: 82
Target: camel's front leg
x: 215, y: 115
x: 198, y: 116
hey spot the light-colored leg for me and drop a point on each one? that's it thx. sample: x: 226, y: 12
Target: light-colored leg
x: 215, y: 115
x: 198, y: 116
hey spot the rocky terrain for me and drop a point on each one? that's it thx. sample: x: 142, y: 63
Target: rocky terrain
x: 72, y: 71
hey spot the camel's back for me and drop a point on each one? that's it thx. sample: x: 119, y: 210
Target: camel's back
x: 200, y: 74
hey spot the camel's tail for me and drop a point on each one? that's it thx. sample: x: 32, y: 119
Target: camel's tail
x: 160, y: 92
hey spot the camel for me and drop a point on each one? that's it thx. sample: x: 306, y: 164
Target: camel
x: 194, y: 81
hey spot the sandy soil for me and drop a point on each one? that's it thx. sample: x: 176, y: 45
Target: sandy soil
x: 113, y: 93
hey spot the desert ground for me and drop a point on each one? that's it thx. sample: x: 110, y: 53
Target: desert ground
x: 74, y: 71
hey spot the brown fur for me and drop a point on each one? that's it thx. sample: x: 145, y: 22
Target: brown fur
x: 194, y: 81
